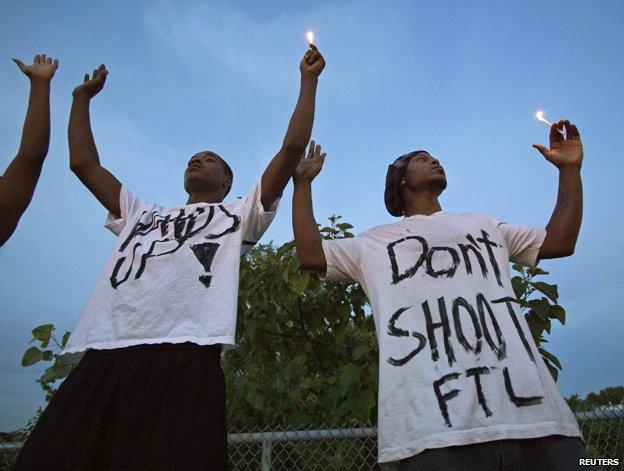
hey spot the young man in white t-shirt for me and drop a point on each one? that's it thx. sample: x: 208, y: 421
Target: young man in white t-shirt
x: 461, y: 382
x: 149, y: 392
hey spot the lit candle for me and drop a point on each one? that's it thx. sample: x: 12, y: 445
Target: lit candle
x: 540, y: 117
x: 310, y: 36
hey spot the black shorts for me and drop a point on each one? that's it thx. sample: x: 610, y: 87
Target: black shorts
x: 156, y: 406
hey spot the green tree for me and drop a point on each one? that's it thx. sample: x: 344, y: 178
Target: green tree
x: 307, y: 350
x: 539, y: 303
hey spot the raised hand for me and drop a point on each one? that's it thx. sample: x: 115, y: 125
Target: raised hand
x: 312, y: 63
x: 566, y: 152
x: 309, y: 167
x: 42, y: 68
x: 92, y: 86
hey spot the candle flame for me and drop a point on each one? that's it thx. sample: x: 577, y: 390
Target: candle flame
x: 310, y: 36
x: 540, y: 117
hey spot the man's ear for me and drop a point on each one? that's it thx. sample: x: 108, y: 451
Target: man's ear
x: 227, y: 182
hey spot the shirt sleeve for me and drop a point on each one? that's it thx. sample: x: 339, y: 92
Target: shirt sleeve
x: 343, y: 258
x: 255, y: 219
x: 523, y: 243
x: 129, y: 205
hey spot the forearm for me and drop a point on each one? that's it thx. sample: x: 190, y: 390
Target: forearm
x: 302, y: 119
x: 82, y: 149
x: 283, y: 165
x: 36, y: 132
x: 308, y: 240
x: 565, y: 222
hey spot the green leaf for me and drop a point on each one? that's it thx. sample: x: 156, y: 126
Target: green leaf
x: 56, y: 371
x: 299, y: 281
x: 47, y: 355
x: 541, y: 307
x: 553, y: 371
x: 536, y: 271
x: 557, y: 312
x: 517, y: 267
x: 550, y: 357
x: 31, y: 356
x: 359, y: 351
x: 343, y: 226
x: 65, y: 339
x: 548, y: 289
x: 43, y: 333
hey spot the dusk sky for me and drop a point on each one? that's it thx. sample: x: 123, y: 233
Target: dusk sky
x: 460, y: 79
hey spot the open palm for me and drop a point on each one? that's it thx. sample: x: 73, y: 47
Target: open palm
x: 309, y: 167
x: 94, y: 85
x: 42, y: 68
x: 566, y: 151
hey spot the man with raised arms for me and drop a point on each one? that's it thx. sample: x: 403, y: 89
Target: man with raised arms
x: 461, y: 382
x: 149, y: 392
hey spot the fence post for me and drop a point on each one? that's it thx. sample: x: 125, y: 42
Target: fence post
x: 267, y: 447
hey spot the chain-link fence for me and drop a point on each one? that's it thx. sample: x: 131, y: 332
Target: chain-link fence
x: 355, y: 448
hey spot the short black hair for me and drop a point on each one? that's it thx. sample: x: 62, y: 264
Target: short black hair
x: 396, y: 172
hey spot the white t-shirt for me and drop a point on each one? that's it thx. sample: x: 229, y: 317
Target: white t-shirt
x: 457, y: 363
x: 173, y: 274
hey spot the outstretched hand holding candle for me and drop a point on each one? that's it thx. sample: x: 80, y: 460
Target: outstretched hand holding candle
x: 281, y: 169
x: 566, y: 153
x: 312, y: 63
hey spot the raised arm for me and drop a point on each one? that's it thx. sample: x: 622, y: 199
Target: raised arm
x: 565, y: 223
x: 283, y: 165
x: 308, y: 239
x: 18, y: 183
x: 83, y: 155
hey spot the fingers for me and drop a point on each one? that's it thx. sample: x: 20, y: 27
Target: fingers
x: 19, y: 63
x: 311, y: 150
x: 542, y: 149
x: 86, y: 78
x: 555, y: 135
x: 55, y: 64
x: 572, y: 133
x: 36, y: 59
x: 317, y: 151
x: 313, y: 47
x: 568, y: 130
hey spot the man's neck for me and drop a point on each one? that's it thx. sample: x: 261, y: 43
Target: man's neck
x: 425, y: 203
x: 205, y: 197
